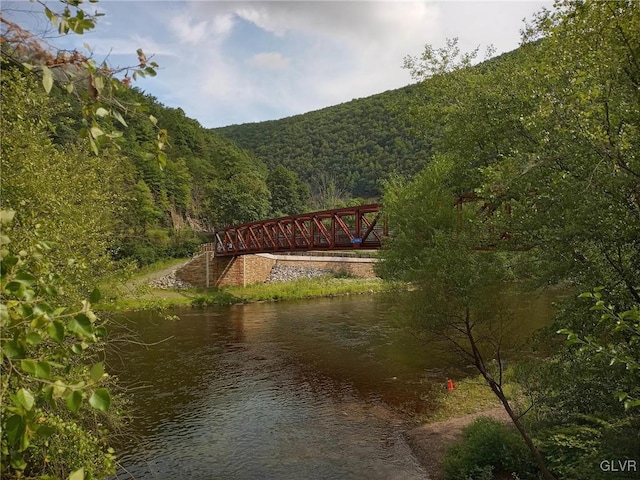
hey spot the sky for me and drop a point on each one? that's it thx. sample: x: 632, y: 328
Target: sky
x: 233, y: 62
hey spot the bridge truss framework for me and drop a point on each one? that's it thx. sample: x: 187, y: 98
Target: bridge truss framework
x: 350, y: 228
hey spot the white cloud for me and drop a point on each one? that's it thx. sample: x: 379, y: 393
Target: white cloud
x: 127, y: 45
x: 186, y: 30
x: 238, y: 61
x: 270, y: 61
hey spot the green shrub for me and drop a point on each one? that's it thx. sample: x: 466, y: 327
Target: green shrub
x: 55, y: 405
x: 574, y: 449
x: 488, y: 447
x: 184, y: 243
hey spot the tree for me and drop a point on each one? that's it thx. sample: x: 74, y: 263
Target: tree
x: 289, y: 195
x: 242, y: 198
x: 327, y: 193
x: 557, y: 145
x: 50, y: 358
x: 55, y: 188
x: 434, y: 246
x: 94, y: 85
x: 50, y: 352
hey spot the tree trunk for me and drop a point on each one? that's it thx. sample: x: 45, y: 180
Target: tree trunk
x: 497, y: 390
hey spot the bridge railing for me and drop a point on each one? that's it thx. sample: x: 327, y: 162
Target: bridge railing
x: 350, y: 228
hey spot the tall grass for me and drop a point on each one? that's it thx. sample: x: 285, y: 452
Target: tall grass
x: 297, y: 289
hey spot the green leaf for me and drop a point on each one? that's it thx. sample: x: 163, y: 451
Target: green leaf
x: 102, y: 112
x: 76, y: 474
x: 97, y: 372
x: 80, y: 325
x: 621, y: 395
x: 24, y: 278
x: 13, y: 349
x: 628, y: 404
x: 59, y: 388
x: 45, y: 431
x: 153, y: 119
x: 25, y: 397
x: 162, y: 159
x: 93, y: 145
x: 118, y: 117
x: 95, y: 295
x: 43, y: 370
x: 24, y: 441
x: 15, y: 428
x: 28, y: 366
x: 96, y: 132
x: 17, y: 462
x: 100, y: 399
x: 47, y: 395
x: 98, y: 82
x: 34, y: 338
x: 47, y: 79
x: 56, y: 331
x: 74, y: 400
x: 6, y: 216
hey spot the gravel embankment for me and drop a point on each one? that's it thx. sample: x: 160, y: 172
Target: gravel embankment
x: 286, y: 273
x: 169, y: 281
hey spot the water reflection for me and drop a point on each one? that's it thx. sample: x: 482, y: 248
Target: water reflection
x: 312, y: 389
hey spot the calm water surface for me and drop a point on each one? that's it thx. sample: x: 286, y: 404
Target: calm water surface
x: 315, y: 389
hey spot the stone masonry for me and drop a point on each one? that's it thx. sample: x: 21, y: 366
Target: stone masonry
x: 206, y: 270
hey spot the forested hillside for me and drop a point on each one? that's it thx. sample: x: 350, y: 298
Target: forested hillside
x: 351, y: 147
x: 206, y: 180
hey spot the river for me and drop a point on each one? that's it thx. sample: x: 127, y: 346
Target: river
x: 315, y: 389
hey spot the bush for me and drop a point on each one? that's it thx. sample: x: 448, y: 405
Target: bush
x: 488, y: 448
x: 158, y: 244
x: 184, y: 243
x: 55, y: 407
x: 575, y: 448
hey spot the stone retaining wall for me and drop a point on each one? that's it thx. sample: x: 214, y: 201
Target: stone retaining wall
x: 248, y: 269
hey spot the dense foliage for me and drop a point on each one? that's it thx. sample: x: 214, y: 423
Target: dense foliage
x: 523, y: 167
x: 488, y: 448
x: 357, y: 145
x: 51, y: 369
x: 554, y: 168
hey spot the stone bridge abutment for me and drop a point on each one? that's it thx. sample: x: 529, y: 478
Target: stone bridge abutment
x: 207, y: 270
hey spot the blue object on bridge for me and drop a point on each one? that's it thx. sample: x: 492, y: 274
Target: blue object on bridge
x: 356, y: 240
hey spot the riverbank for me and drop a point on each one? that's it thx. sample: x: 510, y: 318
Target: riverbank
x: 430, y: 442
x: 458, y: 408
x: 155, y: 288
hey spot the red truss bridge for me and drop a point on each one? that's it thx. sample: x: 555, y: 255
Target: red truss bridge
x: 350, y: 228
